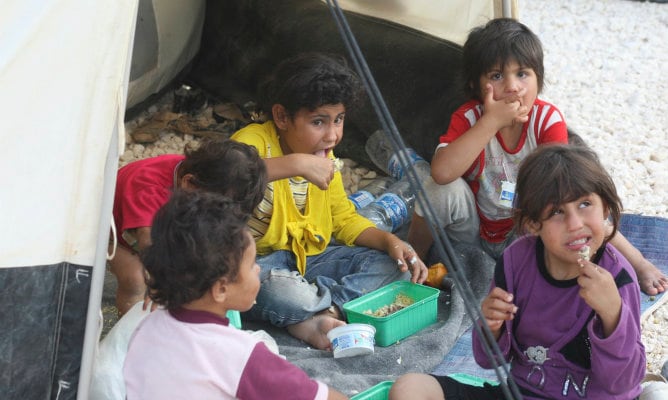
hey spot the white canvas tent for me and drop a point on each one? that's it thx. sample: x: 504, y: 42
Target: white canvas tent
x: 65, y: 67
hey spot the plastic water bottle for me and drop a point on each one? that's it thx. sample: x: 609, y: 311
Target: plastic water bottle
x: 391, y: 210
x: 380, y: 151
x: 368, y: 193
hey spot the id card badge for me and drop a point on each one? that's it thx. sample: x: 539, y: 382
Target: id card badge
x: 507, y: 194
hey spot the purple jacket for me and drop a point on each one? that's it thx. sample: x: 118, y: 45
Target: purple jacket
x: 554, y: 344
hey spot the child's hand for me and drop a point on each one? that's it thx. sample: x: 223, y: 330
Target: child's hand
x: 598, y: 289
x: 496, y: 308
x: 507, y: 111
x: 318, y: 170
x: 407, y: 259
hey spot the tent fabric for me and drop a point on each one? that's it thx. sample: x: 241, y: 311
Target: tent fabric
x: 430, y: 16
x: 64, y: 68
x: 43, y: 323
x: 63, y: 78
x: 167, y: 38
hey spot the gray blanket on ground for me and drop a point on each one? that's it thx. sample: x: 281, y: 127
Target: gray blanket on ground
x: 420, y: 352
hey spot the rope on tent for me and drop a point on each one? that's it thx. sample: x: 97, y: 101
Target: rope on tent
x: 443, y: 245
x: 114, y: 239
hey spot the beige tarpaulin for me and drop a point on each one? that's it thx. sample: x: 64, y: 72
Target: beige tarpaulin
x: 446, y: 19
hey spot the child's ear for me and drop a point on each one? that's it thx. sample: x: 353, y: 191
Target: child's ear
x: 532, y: 227
x: 186, y: 182
x: 280, y: 116
x: 606, y: 221
x: 219, y: 290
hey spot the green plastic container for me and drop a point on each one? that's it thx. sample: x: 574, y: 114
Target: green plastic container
x: 471, y: 379
x: 235, y: 318
x: 377, y: 392
x: 402, y: 323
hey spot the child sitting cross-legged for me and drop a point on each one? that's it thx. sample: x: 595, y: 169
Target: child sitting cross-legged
x: 201, y: 262
x: 315, y: 252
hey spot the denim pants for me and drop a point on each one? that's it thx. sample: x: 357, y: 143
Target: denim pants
x: 335, y: 276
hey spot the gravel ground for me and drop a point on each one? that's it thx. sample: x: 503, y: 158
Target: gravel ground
x: 605, y: 64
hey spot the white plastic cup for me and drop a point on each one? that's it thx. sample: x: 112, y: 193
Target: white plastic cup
x: 352, y: 340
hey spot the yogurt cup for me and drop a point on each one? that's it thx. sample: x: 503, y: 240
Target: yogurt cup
x: 352, y: 340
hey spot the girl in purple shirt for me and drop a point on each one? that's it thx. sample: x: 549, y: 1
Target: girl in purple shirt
x: 564, y: 306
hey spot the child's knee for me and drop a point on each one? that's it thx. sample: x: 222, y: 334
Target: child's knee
x: 403, y: 387
x: 288, y: 290
x: 413, y: 385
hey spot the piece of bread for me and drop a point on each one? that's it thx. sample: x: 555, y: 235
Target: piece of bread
x: 435, y: 275
x: 338, y: 164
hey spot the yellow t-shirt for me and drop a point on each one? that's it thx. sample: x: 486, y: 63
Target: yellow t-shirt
x: 279, y: 224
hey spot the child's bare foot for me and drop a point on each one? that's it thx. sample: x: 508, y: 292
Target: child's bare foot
x: 652, y: 281
x: 314, y: 330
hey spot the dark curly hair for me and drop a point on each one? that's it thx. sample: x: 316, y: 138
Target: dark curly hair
x: 310, y: 80
x: 499, y: 41
x: 555, y: 174
x: 197, y: 238
x: 227, y: 167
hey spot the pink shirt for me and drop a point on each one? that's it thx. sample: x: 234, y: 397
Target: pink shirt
x: 190, y: 355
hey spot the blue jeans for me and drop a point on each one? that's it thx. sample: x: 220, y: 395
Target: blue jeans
x: 335, y: 276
